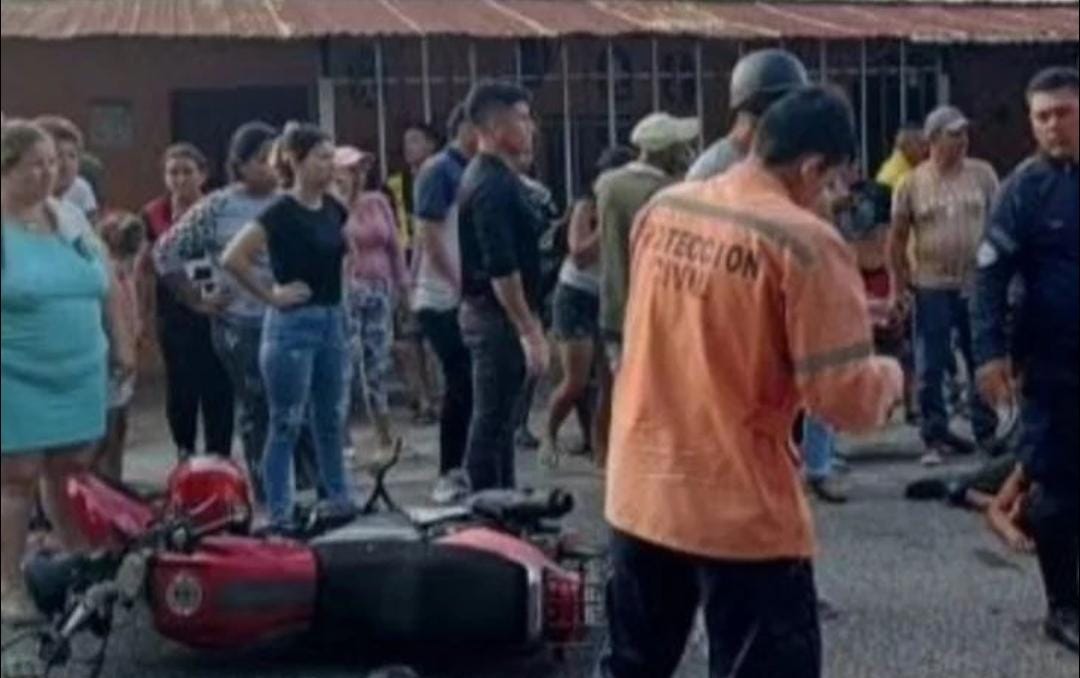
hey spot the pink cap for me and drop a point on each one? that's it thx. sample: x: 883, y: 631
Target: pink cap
x: 350, y: 156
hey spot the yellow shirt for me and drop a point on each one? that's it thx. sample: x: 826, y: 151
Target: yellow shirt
x: 743, y: 309
x: 400, y: 187
x: 894, y: 171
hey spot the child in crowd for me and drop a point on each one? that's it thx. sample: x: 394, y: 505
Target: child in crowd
x: 124, y: 235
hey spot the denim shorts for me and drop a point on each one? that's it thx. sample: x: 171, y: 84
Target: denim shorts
x: 576, y: 314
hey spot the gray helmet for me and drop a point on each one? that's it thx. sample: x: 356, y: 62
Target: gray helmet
x: 763, y: 77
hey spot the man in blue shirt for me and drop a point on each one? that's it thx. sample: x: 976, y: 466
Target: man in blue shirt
x: 1034, y: 237
x: 437, y: 272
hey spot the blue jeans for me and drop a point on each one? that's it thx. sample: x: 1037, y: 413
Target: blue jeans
x: 305, y: 364
x: 238, y: 343
x: 819, y: 449
x: 941, y: 315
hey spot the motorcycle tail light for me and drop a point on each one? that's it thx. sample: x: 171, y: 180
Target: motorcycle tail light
x: 564, y: 608
x: 184, y: 595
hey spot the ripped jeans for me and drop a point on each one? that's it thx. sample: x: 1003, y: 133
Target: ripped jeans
x: 305, y: 364
x: 238, y: 343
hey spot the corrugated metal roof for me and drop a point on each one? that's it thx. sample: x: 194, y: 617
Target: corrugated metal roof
x: 1018, y: 21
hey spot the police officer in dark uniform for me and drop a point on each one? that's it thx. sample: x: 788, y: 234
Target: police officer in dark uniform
x: 1034, y: 236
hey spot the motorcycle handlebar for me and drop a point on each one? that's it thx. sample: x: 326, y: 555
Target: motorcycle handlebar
x: 119, y: 576
x: 523, y: 508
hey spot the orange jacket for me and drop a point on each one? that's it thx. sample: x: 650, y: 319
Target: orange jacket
x: 743, y: 309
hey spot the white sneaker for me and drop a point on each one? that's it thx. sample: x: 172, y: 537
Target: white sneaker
x: 932, y: 459
x: 451, y: 488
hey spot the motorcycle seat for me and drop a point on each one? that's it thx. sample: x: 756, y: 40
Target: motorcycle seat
x: 380, y: 527
x: 421, y: 593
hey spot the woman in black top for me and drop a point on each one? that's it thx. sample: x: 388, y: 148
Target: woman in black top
x: 304, y: 353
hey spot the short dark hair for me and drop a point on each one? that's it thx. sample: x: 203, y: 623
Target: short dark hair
x: 247, y: 142
x: 297, y: 142
x: 1053, y: 80
x: 61, y: 130
x: 612, y: 158
x: 814, y: 120
x: 186, y: 151
x: 427, y: 130
x: 490, y: 97
x: 455, y: 120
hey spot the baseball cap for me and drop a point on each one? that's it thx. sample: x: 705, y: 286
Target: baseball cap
x: 945, y: 119
x: 659, y: 131
x: 350, y: 156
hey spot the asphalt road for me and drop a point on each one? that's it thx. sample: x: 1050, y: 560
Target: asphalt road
x: 920, y: 591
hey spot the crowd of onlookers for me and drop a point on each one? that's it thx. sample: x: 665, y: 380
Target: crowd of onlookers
x: 286, y: 302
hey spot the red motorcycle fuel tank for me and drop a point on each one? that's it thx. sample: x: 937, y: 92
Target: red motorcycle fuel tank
x: 233, y: 592
x: 107, y: 515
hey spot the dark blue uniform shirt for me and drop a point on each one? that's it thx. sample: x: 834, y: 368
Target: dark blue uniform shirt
x: 1034, y: 236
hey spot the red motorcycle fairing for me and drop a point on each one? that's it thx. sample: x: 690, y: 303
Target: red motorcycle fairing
x: 560, y: 617
x: 108, y: 516
x: 233, y: 592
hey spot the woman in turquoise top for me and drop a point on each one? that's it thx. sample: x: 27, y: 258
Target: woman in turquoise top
x: 55, y: 352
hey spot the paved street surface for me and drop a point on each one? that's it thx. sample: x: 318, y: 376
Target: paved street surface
x: 920, y: 591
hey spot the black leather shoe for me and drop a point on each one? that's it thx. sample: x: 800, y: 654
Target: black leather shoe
x: 1061, y: 627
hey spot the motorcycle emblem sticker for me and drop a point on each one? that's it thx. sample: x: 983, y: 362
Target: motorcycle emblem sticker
x: 184, y: 595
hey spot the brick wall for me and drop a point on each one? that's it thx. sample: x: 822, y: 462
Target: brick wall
x: 67, y: 78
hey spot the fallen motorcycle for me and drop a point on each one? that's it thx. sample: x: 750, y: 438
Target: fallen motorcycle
x: 496, y: 572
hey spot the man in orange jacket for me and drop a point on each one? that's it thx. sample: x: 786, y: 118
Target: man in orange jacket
x: 744, y: 308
